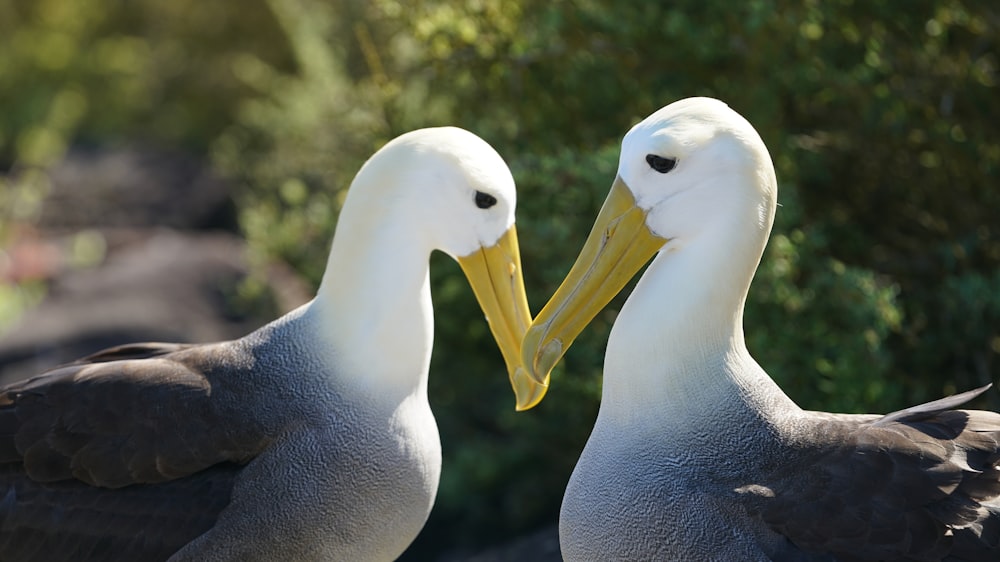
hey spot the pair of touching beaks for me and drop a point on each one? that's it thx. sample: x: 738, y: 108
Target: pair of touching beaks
x: 619, y: 244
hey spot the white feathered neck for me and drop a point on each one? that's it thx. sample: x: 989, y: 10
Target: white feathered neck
x: 414, y: 196
x: 677, y: 352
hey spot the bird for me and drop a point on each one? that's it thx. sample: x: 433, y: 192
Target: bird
x: 696, y: 453
x: 311, y: 438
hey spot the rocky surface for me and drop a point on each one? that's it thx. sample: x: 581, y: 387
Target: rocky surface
x: 168, y: 264
x: 154, y: 285
x: 136, y: 187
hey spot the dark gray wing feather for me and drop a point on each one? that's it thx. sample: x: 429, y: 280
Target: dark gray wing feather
x: 71, y: 521
x: 134, y: 351
x: 141, y: 413
x: 939, y: 405
x: 127, y: 454
x: 920, y: 484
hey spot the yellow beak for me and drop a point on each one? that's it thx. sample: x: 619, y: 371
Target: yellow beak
x: 618, y: 246
x: 495, y: 276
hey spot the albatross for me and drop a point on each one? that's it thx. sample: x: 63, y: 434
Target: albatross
x: 696, y: 453
x: 309, y: 439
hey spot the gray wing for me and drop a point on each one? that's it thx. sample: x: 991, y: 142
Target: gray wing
x: 128, y: 454
x: 70, y: 521
x: 920, y: 484
x: 135, y: 414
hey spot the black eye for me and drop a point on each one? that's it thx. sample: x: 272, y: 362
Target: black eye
x: 661, y: 164
x: 485, y: 200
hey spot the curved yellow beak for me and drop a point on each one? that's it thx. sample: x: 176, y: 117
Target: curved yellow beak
x: 618, y: 246
x: 496, y: 279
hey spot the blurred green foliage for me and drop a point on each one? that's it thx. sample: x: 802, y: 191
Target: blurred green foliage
x: 880, y: 286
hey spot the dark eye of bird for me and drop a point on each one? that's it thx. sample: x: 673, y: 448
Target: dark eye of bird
x: 661, y: 164
x: 485, y: 200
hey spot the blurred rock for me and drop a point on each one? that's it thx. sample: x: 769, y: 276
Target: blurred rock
x: 135, y: 187
x: 164, y: 264
x: 155, y: 285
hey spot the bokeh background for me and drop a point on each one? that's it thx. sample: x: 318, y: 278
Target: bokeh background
x: 156, y: 146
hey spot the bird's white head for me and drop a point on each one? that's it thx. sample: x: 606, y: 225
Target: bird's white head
x: 439, y: 189
x: 691, y: 159
x: 446, y: 179
x: 692, y: 170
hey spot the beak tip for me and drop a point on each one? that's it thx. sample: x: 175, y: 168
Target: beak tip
x: 527, y: 391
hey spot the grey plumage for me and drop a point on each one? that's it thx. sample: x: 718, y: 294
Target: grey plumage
x: 921, y: 485
x: 270, y: 410
x: 69, y: 521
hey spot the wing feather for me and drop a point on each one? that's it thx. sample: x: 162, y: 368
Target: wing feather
x: 71, y: 521
x: 142, y: 413
x: 919, y: 484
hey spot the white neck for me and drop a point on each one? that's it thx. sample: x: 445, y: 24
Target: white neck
x: 375, y: 299
x: 676, y: 357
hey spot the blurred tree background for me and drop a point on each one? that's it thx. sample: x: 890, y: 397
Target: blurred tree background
x: 880, y: 286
